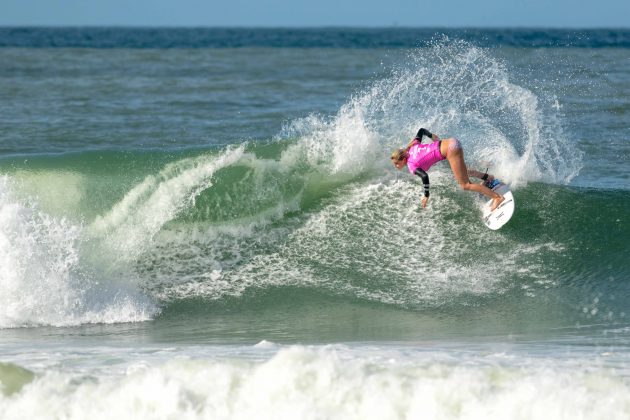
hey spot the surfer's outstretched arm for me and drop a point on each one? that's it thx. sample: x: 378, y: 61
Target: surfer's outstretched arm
x: 425, y: 180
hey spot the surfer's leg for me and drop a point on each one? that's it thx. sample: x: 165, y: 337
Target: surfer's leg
x: 455, y: 156
x: 478, y: 174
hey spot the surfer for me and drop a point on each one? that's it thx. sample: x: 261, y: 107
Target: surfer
x: 420, y: 157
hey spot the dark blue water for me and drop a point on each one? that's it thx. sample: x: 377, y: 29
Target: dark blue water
x: 121, y: 37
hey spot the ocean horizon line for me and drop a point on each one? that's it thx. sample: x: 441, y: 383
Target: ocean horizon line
x: 302, y: 37
x: 316, y: 27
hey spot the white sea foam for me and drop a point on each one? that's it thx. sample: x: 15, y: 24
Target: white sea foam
x: 328, y: 383
x: 42, y: 279
x: 370, y: 241
x: 37, y: 257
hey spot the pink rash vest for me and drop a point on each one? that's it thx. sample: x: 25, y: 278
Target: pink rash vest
x: 424, y: 156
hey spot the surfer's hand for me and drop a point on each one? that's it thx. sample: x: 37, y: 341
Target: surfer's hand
x: 423, y: 203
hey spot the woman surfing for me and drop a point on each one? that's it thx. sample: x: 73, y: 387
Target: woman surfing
x: 420, y: 157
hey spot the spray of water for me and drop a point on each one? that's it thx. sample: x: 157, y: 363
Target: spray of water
x: 43, y: 280
x: 454, y: 89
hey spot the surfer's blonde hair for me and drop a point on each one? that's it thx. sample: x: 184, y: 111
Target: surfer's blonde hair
x: 399, y: 154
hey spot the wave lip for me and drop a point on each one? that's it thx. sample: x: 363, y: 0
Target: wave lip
x: 157, y: 200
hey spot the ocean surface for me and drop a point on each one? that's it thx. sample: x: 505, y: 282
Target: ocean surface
x: 204, y: 224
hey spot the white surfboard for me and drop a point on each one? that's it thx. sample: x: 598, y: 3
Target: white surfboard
x: 501, y: 215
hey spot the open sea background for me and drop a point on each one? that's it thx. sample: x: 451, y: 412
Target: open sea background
x: 203, y: 223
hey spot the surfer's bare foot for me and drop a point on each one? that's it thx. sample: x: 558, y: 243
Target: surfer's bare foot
x: 496, y: 202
